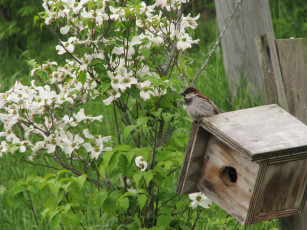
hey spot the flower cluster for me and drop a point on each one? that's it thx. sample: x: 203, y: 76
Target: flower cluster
x: 42, y: 120
x: 123, y: 52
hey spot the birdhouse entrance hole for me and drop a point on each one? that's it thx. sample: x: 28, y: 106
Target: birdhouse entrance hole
x: 228, y: 175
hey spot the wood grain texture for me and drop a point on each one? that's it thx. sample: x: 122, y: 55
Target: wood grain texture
x: 233, y: 198
x: 282, y: 190
x: 270, y: 69
x: 252, y: 19
x: 293, y: 64
x: 292, y: 58
x: 259, y: 133
x: 191, y: 168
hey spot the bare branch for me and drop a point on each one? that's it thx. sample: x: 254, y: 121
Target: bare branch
x: 217, y: 42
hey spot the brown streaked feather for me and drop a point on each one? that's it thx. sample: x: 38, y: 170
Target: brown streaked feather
x: 205, y: 98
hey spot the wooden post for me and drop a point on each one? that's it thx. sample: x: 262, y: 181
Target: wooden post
x: 252, y: 19
x: 292, y: 61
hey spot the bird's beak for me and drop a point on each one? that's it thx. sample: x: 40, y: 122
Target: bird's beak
x: 182, y: 94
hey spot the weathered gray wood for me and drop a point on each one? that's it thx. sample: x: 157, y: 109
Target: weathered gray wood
x: 282, y: 189
x: 293, y: 64
x: 270, y: 69
x: 259, y: 133
x: 191, y: 167
x: 252, y: 19
x: 234, y: 198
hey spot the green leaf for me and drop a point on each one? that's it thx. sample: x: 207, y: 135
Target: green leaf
x: 142, y: 121
x: 164, y: 220
x: 137, y: 177
x: 141, y: 191
x: 109, y: 206
x: 97, y: 198
x: 107, y: 156
x: 102, y: 170
x: 48, y: 176
x: 142, y: 201
x: 63, y: 171
x: 33, y: 179
x: 167, y: 117
x: 113, y: 163
x: 77, y: 194
x: 80, y: 180
x: 128, y: 129
x: 104, y: 87
x: 130, y: 155
x: 51, y: 203
x: 18, y: 187
x: 55, y: 222
x: 144, y: 152
x: 14, y: 200
x: 124, y: 203
x: 124, y: 148
x: 148, y: 175
x: 145, y: 52
x: 54, y: 186
x: 82, y: 77
x: 65, y: 208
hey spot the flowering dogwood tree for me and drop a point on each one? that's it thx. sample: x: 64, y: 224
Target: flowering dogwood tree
x: 125, y: 54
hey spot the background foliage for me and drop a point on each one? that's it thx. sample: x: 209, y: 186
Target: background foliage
x: 21, y: 40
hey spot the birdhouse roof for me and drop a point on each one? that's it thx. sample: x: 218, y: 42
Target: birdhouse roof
x: 259, y: 133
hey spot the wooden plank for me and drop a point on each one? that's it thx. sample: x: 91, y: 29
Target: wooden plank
x: 293, y: 58
x: 191, y: 167
x: 252, y: 19
x: 233, y: 197
x: 259, y: 133
x: 270, y: 69
x: 293, y: 63
x: 282, y: 190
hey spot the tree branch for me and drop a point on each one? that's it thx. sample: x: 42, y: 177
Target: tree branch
x: 217, y: 42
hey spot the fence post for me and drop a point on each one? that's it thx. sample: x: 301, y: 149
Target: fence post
x: 287, y: 80
x: 252, y: 19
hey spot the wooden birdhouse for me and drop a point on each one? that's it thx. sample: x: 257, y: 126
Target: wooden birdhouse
x: 251, y: 162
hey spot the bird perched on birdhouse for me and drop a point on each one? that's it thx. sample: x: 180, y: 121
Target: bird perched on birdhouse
x: 250, y: 162
x: 198, y: 105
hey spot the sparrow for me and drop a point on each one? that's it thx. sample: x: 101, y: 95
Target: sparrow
x: 198, y: 105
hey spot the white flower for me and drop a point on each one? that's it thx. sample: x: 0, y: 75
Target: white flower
x: 70, y: 48
x: 145, y: 90
x: 113, y: 95
x: 141, y: 163
x: 80, y: 116
x: 65, y: 29
x: 185, y: 41
x: 99, y: 140
x: 95, y: 151
x: 161, y: 3
x: 189, y: 22
x: 71, y: 143
x: 3, y: 147
x: 199, y: 198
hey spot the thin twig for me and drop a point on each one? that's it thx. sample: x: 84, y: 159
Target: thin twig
x: 42, y: 165
x: 217, y: 42
x: 32, y: 208
x: 117, y: 130
x: 182, y: 76
x: 197, y: 217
